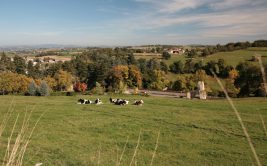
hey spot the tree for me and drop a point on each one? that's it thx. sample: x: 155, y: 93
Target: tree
x: 6, y: 64
x: 131, y: 59
x: 211, y: 66
x: 135, y: 77
x: 177, y: 67
x: 118, y: 76
x: 63, y: 80
x: 158, y: 81
x: 81, y: 70
x: 23, y: 82
x: 79, y: 87
x: 189, y: 66
x: 44, y: 89
x: 30, y: 69
x: 164, y: 67
x: 20, y: 64
x: 249, y: 79
x: 199, y: 65
x: 205, y: 52
x: 200, y: 75
x: 166, y: 55
x: 142, y: 65
x: 51, y: 82
x: 32, y: 88
x: 192, y: 53
x: 184, y: 83
x: 229, y: 83
x: 153, y: 64
x: 98, y: 89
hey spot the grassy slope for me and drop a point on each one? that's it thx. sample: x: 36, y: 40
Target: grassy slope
x: 231, y: 58
x: 193, y: 132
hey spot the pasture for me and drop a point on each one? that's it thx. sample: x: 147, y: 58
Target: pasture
x: 231, y: 58
x: 191, y: 132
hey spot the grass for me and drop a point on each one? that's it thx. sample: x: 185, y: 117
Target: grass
x: 192, y: 132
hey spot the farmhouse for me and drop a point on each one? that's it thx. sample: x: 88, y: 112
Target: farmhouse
x: 176, y: 51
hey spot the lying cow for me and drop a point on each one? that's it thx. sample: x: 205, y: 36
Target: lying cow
x: 98, y: 101
x: 139, y: 102
x: 119, y: 101
x: 84, y: 101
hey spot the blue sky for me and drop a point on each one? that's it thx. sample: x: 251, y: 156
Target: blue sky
x: 131, y: 22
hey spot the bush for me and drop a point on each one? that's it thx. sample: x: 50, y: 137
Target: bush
x: 213, y: 93
x: 98, y: 89
x: 260, y: 92
x: 70, y: 94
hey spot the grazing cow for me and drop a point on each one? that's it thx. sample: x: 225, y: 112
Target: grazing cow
x: 139, y: 102
x: 84, y: 101
x: 98, y: 101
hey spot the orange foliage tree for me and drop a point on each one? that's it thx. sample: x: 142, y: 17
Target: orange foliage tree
x: 79, y: 87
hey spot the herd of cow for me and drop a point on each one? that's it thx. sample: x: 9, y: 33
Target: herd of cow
x: 114, y: 101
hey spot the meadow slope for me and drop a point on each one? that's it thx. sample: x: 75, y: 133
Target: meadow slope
x: 192, y: 132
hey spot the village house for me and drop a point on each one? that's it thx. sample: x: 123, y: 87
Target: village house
x: 176, y: 51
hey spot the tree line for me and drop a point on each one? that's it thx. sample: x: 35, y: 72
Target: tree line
x: 114, y: 70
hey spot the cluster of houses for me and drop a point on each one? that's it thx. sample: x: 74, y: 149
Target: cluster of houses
x: 44, y: 60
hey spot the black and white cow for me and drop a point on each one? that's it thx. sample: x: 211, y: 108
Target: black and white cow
x: 84, y: 101
x: 139, y: 102
x: 112, y: 100
x: 119, y: 101
x: 98, y: 101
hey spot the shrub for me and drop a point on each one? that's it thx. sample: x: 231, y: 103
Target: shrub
x: 70, y: 94
x: 98, y: 89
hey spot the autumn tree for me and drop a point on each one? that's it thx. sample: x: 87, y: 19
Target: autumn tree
x: 13, y: 83
x: 184, y: 83
x: 51, y: 82
x: 119, y: 76
x: 63, y: 80
x: 134, y: 77
x: 159, y: 81
x: 79, y: 87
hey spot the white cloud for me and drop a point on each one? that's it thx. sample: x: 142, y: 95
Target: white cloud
x: 228, y: 18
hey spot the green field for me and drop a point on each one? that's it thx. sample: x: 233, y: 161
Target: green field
x: 192, y: 132
x: 231, y: 58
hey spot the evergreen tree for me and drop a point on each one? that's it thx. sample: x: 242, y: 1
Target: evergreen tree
x: 44, y: 89
x: 177, y: 67
x: 166, y: 55
x: 32, y: 88
x: 131, y: 59
x: 20, y: 64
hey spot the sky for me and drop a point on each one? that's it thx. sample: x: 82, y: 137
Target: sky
x: 131, y: 22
